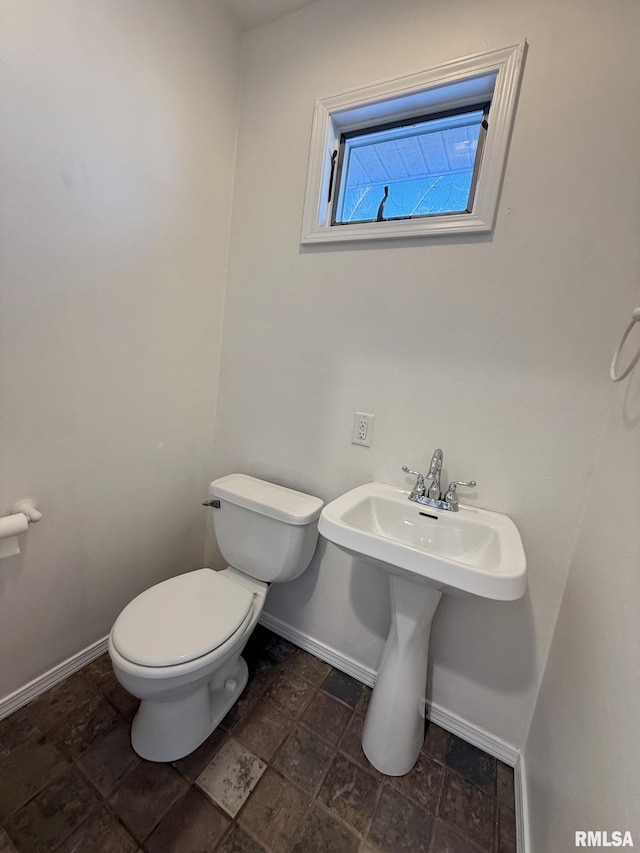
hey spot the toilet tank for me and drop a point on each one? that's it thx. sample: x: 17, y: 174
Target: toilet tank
x: 264, y: 530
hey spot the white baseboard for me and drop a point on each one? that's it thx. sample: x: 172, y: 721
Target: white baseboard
x: 319, y: 650
x: 440, y: 716
x: 49, y: 679
x: 473, y: 734
x: 522, y: 807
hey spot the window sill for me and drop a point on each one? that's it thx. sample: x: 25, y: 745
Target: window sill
x: 464, y: 223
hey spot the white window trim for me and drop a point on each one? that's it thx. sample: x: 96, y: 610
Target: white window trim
x: 329, y: 121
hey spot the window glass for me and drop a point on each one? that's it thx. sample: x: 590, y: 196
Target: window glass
x: 422, y: 167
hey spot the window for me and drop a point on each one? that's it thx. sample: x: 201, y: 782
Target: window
x: 417, y: 156
x: 420, y: 167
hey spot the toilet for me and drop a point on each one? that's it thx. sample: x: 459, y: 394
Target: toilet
x: 177, y: 646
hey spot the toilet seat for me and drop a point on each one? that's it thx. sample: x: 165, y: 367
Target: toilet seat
x: 181, y: 619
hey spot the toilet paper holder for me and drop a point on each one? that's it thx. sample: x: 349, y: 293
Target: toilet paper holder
x: 28, y: 508
x: 23, y: 513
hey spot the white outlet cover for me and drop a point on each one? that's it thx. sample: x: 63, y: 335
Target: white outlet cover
x: 362, y: 429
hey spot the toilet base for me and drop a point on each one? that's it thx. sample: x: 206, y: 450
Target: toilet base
x: 167, y: 731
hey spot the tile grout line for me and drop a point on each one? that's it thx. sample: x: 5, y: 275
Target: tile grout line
x: 106, y: 804
x: 374, y: 808
x: 436, y: 815
x: 303, y: 823
x: 459, y: 831
x: 339, y: 819
x: 226, y: 834
x: 4, y: 823
x: 49, y: 735
x: 251, y: 834
x: 313, y: 797
x: 102, y: 801
x: 162, y: 816
x: 294, y: 722
x: 297, y: 721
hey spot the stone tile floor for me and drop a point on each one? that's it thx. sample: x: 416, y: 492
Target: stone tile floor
x: 284, y: 772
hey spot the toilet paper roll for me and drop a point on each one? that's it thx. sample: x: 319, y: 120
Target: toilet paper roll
x: 10, y: 526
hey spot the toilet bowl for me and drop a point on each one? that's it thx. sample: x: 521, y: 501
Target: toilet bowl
x: 177, y: 646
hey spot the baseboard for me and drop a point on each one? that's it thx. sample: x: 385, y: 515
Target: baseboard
x: 440, y: 716
x: 473, y: 734
x: 522, y: 807
x: 319, y: 650
x: 49, y: 679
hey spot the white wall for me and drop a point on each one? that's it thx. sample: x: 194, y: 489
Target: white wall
x: 494, y: 348
x: 117, y: 150
x: 582, y: 756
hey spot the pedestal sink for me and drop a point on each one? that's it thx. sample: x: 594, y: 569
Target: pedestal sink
x: 427, y: 552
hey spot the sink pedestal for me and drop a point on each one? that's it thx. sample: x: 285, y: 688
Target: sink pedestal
x: 471, y: 551
x: 394, y: 726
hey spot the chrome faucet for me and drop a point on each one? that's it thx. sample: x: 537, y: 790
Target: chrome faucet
x: 435, y: 470
x: 432, y: 496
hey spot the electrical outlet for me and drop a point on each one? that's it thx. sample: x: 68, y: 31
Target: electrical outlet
x: 362, y: 429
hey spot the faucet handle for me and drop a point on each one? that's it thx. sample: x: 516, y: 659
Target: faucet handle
x: 418, y: 489
x: 451, y: 496
x: 452, y: 486
x: 409, y: 471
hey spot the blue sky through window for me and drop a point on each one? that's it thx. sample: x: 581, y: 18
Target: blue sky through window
x: 428, y: 167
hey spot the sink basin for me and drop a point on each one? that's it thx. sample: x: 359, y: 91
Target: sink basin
x: 471, y: 551
x: 426, y: 552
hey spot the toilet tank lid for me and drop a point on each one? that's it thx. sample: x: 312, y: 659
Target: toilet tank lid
x: 267, y: 499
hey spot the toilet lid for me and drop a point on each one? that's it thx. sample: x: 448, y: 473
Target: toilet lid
x: 181, y: 619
